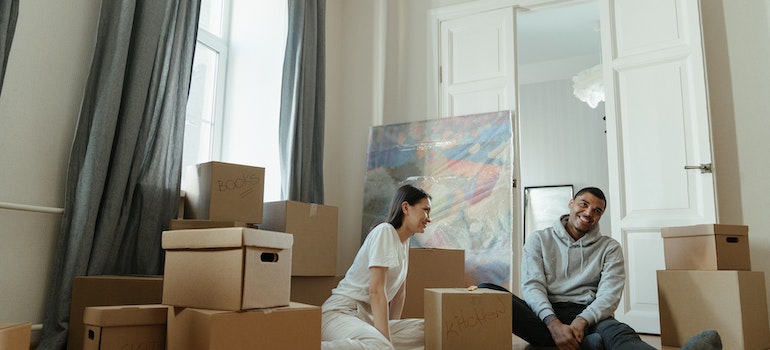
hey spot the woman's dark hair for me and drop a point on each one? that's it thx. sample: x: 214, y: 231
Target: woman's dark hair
x: 594, y: 191
x: 405, y: 193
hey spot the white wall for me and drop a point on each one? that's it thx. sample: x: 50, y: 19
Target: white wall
x: 747, y: 44
x: 349, y: 115
x: 39, y: 104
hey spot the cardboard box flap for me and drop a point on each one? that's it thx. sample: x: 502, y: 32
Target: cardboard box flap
x: 12, y: 325
x: 704, y: 230
x: 125, y: 315
x: 230, y: 237
x: 293, y: 305
x: 225, y: 237
x: 267, y: 239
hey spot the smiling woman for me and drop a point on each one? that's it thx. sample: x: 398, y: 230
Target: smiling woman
x: 364, y: 311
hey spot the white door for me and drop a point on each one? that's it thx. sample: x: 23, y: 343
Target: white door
x: 657, y: 123
x: 476, y: 73
x: 477, y: 64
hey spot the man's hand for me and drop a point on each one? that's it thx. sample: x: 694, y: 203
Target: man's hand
x: 579, y: 324
x: 566, y: 337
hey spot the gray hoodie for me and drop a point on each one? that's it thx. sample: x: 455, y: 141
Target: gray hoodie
x: 557, y: 268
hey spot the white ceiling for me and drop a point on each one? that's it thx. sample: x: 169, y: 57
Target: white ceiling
x: 557, y: 33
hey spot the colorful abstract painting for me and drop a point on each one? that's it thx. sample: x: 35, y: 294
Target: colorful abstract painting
x: 465, y: 164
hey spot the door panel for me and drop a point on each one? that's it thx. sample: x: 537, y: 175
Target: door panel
x: 657, y: 123
x: 477, y: 63
x: 658, y: 18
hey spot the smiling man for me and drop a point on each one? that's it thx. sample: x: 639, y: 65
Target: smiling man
x: 572, y: 281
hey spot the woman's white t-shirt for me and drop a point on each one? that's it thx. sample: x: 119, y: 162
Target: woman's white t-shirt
x: 382, y: 247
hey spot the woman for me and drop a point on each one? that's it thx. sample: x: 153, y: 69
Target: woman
x: 364, y: 310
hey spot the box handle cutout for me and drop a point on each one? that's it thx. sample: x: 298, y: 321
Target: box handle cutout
x: 269, y: 257
x: 91, y: 334
x: 732, y: 239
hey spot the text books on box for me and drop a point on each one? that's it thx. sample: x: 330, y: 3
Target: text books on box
x: 225, y: 192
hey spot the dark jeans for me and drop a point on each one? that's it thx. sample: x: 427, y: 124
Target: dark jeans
x: 528, y: 326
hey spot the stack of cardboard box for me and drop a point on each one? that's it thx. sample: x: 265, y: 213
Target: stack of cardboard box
x: 708, y: 284
x: 227, y: 277
x: 226, y: 282
x: 229, y: 289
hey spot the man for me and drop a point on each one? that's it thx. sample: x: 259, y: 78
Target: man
x: 572, y: 281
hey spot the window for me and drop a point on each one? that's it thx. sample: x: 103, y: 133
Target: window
x: 235, y: 92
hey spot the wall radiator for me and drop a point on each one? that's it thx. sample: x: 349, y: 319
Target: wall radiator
x: 32, y: 208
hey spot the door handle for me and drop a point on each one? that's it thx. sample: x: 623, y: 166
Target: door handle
x: 704, y: 168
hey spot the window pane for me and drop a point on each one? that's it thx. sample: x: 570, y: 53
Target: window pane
x: 199, y: 125
x: 211, y: 16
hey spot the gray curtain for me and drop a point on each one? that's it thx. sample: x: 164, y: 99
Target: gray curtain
x: 301, y: 127
x: 9, y: 12
x: 122, y: 184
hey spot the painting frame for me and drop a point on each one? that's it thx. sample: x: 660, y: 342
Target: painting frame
x: 543, y: 205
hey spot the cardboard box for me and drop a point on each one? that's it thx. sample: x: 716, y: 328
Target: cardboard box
x: 15, y: 336
x: 456, y: 318
x: 225, y: 192
x: 314, y: 227
x: 313, y: 290
x: 192, y: 224
x: 706, y: 247
x: 108, y: 290
x: 293, y: 327
x: 227, y: 268
x: 431, y: 268
x: 731, y: 302
x: 125, y: 327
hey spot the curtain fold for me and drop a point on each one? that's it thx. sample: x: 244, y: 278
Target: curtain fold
x: 9, y: 12
x: 122, y: 186
x: 301, y: 127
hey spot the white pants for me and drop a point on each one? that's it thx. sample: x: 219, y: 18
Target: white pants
x: 347, y: 324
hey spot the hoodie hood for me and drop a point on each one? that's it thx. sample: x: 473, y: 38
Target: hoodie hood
x: 588, y: 239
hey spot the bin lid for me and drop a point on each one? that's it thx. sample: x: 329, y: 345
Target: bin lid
x: 225, y: 237
x: 705, y: 230
x: 125, y: 315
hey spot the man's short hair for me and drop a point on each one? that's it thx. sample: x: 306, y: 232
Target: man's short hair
x: 594, y: 191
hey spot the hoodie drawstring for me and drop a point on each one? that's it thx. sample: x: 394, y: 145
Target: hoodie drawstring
x: 582, y: 258
x: 582, y: 255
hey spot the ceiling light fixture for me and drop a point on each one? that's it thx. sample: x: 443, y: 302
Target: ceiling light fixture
x: 588, y: 85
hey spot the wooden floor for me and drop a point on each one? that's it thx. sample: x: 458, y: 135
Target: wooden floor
x: 653, y: 340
